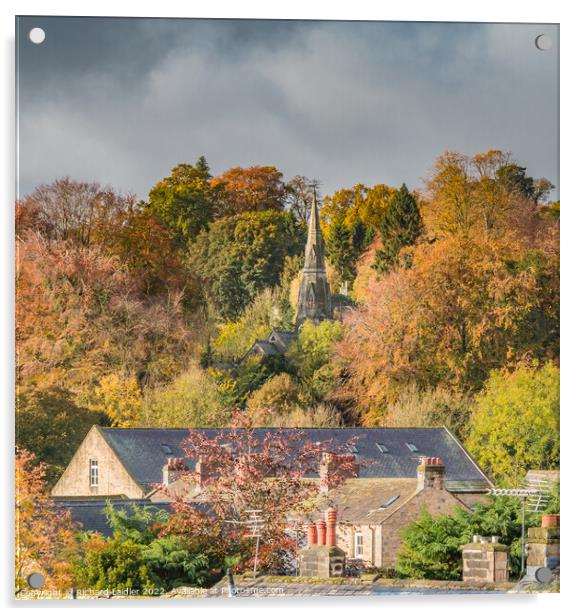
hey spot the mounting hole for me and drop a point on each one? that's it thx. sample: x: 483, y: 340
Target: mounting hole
x: 543, y: 42
x: 36, y: 580
x: 36, y: 36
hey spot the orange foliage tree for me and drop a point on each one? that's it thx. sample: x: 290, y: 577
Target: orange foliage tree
x: 251, y: 189
x: 81, y: 315
x: 489, y: 191
x: 45, y: 534
x: 469, y: 303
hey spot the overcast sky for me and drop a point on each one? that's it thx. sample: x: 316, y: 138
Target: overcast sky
x: 121, y: 101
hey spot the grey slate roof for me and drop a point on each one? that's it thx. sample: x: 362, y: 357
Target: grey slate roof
x: 261, y: 346
x: 90, y: 513
x: 140, y: 450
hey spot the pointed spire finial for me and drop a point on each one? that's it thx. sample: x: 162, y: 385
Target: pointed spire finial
x: 314, y: 302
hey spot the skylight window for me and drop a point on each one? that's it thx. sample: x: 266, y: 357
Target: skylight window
x: 412, y: 448
x: 382, y: 448
x: 166, y: 448
x: 389, y: 502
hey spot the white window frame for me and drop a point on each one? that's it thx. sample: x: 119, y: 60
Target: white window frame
x: 93, y: 473
x: 358, y: 545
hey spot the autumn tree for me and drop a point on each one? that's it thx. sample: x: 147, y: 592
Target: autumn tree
x: 485, y: 191
x: 515, y: 422
x: 184, y: 201
x: 251, y: 189
x: 400, y: 226
x: 283, y: 402
x: 278, y: 396
x: 147, y: 248
x: 240, y: 256
x: 299, y: 196
x: 413, y: 406
x: 244, y: 469
x: 81, y: 316
x: 468, y: 305
x: 44, y: 533
x: 77, y: 212
x: 195, y: 397
x: 357, y: 204
x: 310, y: 355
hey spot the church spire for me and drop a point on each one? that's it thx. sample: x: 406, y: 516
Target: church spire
x: 314, y: 301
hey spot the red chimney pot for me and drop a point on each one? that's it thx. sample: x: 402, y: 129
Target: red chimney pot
x: 321, y: 532
x: 331, y: 517
x: 312, y: 537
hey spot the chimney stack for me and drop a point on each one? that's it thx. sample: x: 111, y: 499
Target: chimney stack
x: 202, y: 473
x: 430, y: 474
x: 173, y: 470
x: 334, y: 466
x: 331, y: 517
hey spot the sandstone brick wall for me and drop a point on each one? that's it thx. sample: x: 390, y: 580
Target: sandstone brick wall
x: 472, y: 499
x: 543, y: 548
x: 113, y: 478
x: 372, y: 542
x: 485, y: 562
x: 437, y: 502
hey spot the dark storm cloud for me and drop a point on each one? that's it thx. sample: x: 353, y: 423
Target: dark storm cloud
x: 121, y: 101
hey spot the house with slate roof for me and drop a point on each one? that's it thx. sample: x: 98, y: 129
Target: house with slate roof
x: 129, y: 462
x: 371, y: 513
x: 401, y: 471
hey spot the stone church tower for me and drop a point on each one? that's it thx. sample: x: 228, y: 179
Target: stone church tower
x: 314, y: 301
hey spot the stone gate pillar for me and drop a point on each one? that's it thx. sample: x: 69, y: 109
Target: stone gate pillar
x: 485, y: 561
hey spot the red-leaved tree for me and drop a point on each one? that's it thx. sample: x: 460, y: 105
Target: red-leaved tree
x: 243, y: 469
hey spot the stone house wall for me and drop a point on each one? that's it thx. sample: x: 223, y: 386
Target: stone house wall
x: 114, y: 479
x: 437, y: 502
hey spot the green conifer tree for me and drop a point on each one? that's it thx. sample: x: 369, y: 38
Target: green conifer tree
x: 340, y: 251
x: 400, y: 226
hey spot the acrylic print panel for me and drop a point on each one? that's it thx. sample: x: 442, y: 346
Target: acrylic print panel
x: 287, y: 308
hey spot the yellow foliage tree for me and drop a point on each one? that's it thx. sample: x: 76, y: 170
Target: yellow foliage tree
x: 120, y: 399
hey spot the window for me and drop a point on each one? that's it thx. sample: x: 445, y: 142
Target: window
x: 412, y: 448
x: 382, y: 448
x: 93, y: 473
x: 166, y: 448
x: 352, y: 449
x: 358, y: 545
x: 389, y: 502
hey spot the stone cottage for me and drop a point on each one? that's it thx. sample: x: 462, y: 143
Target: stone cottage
x: 372, y: 512
x: 392, y: 486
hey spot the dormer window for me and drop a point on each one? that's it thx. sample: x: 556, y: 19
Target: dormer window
x: 166, y: 449
x: 382, y: 448
x: 93, y: 473
x: 412, y: 448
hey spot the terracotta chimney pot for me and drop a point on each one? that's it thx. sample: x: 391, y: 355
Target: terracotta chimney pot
x: 321, y: 532
x: 331, y: 517
x: 312, y: 536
